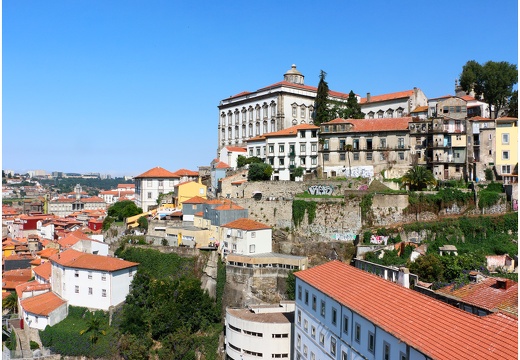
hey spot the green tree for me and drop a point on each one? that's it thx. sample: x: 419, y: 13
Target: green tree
x: 349, y: 150
x: 94, y: 327
x: 429, y: 268
x: 135, y: 347
x: 298, y: 172
x: 353, y: 107
x: 123, y: 209
x: 512, y: 106
x: 259, y: 172
x: 418, y: 178
x: 492, y: 82
x: 243, y: 161
x: 291, y: 285
x: 143, y: 222
x: 321, y: 103
x: 10, y: 303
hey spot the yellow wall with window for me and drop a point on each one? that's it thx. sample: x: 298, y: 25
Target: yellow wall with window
x: 506, y: 154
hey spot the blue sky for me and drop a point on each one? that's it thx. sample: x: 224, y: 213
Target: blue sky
x: 119, y: 87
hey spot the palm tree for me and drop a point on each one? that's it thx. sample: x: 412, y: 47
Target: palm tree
x: 418, y: 178
x: 94, y: 324
x: 10, y: 303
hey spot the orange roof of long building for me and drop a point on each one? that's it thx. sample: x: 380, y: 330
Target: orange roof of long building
x: 76, y: 259
x: 44, y: 270
x: 293, y: 85
x: 370, y: 125
x: 42, y: 304
x: 157, y: 172
x: 246, y: 224
x: 436, y: 329
x: 386, y: 97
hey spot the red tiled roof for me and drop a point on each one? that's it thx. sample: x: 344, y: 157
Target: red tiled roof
x: 200, y: 213
x: 291, y: 131
x: 386, y: 97
x: 125, y: 186
x: 75, y: 259
x: 236, y: 149
x: 420, y: 109
x: 72, y: 238
x: 238, y: 182
x: 507, y: 118
x: 371, y: 125
x: 230, y: 206
x: 43, y: 270
x: 467, y: 97
x: 195, y: 200
x: 30, y: 286
x: 479, y: 118
x: 42, y: 304
x: 221, y: 165
x: 436, y: 329
x: 185, y: 172
x: 92, y: 199
x: 157, y: 172
x: 47, y: 253
x: 246, y: 224
x: 487, y: 294
x: 293, y: 85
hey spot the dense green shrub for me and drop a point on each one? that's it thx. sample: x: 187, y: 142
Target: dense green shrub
x: 34, y: 345
x: 298, y: 211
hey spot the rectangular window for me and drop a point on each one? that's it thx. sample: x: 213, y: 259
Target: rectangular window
x: 160, y: 183
x: 103, y: 276
x: 299, y: 292
x: 314, y: 160
x: 250, y: 151
x: 314, y: 147
x: 281, y: 149
x: 386, y: 351
x: 382, y: 143
x: 76, y: 289
x: 149, y: 195
x: 313, y: 332
x: 401, y: 155
x: 302, y: 112
x: 505, y: 155
x: 303, y: 147
x: 381, y: 156
x: 314, y: 302
x: 76, y: 273
x: 281, y: 161
x: 342, y: 156
x: 90, y: 291
x: 402, y: 356
x: 149, y: 182
x: 103, y: 292
x: 506, y: 169
x: 302, y: 161
x: 356, y: 156
x: 400, y: 143
x: 253, y: 234
x: 322, y: 308
x: 369, y: 144
x: 305, y: 350
x: 252, y: 248
x: 358, y: 333
x: 325, y: 157
x: 333, y: 346
x: 344, y: 356
x: 322, y: 339
x: 369, y: 156
x: 371, y: 342
x: 355, y: 144
x: 90, y: 275
x: 306, y: 297
x: 271, y: 149
x: 299, y: 318
x: 305, y: 325
x: 294, y: 111
x: 345, y: 325
x: 334, y: 315
x: 298, y: 341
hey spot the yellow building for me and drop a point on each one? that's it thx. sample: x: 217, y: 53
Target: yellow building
x: 506, y: 148
x: 187, y: 190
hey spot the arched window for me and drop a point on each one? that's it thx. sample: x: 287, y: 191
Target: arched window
x: 257, y: 128
x: 273, y: 127
x: 243, y: 131
x: 265, y: 127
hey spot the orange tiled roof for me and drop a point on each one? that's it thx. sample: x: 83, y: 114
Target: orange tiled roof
x: 230, y: 206
x: 156, y: 172
x: 487, y: 294
x: 420, y: 109
x: 44, y: 270
x: 507, y: 118
x: 467, y: 97
x: 371, y: 125
x: 291, y: 131
x: 386, y: 97
x: 195, y: 200
x: 125, y: 186
x: 246, y: 224
x: 47, y: 252
x: 185, y: 172
x: 438, y: 330
x: 17, y: 275
x: 238, y: 182
x: 200, y: 213
x: 236, y: 148
x: 221, y: 165
x: 42, y: 304
x: 293, y: 85
x: 257, y: 138
x: 479, y: 118
x: 76, y: 259
x: 31, y: 286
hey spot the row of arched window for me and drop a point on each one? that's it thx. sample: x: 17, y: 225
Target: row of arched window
x: 248, y: 130
x: 386, y: 114
x: 248, y: 114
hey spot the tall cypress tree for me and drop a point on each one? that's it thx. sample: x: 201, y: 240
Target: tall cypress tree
x: 354, y: 107
x: 321, y: 109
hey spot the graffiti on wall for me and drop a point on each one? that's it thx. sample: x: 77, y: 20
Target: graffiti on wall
x: 321, y: 190
x: 348, y: 236
x: 353, y: 171
x: 376, y: 239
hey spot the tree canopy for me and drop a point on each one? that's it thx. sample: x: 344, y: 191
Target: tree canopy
x: 259, y: 172
x: 321, y: 104
x: 123, y: 209
x: 349, y: 110
x: 492, y: 82
x: 243, y: 161
x: 418, y: 178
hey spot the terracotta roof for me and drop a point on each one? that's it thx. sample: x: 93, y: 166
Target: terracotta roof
x: 386, y: 97
x: 436, y: 329
x: 17, y: 275
x: 44, y: 270
x: 47, y: 253
x: 75, y: 259
x: 230, y: 206
x: 125, y: 186
x: 195, y: 200
x: 92, y: 199
x: 236, y: 149
x: 293, y: 85
x: 186, y: 172
x: 222, y: 165
x: 507, y: 118
x: 467, y: 97
x: 488, y: 294
x: 420, y: 109
x: 257, y: 138
x: 200, y: 213
x: 371, y: 125
x: 72, y: 238
x: 246, y: 224
x: 291, y: 131
x: 238, y: 182
x: 42, y: 304
x: 479, y: 118
x: 31, y: 286
x: 157, y: 172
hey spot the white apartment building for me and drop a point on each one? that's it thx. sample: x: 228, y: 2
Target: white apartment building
x: 287, y: 149
x: 345, y: 313
x: 91, y: 281
x: 260, y: 332
x: 275, y: 107
x: 245, y: 236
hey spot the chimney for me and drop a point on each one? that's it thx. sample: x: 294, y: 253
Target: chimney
x: 504, y: 284
x: 403, y: 277
x: 368, y: 97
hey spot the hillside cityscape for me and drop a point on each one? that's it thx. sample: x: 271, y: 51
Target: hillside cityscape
x: 327, y: 225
